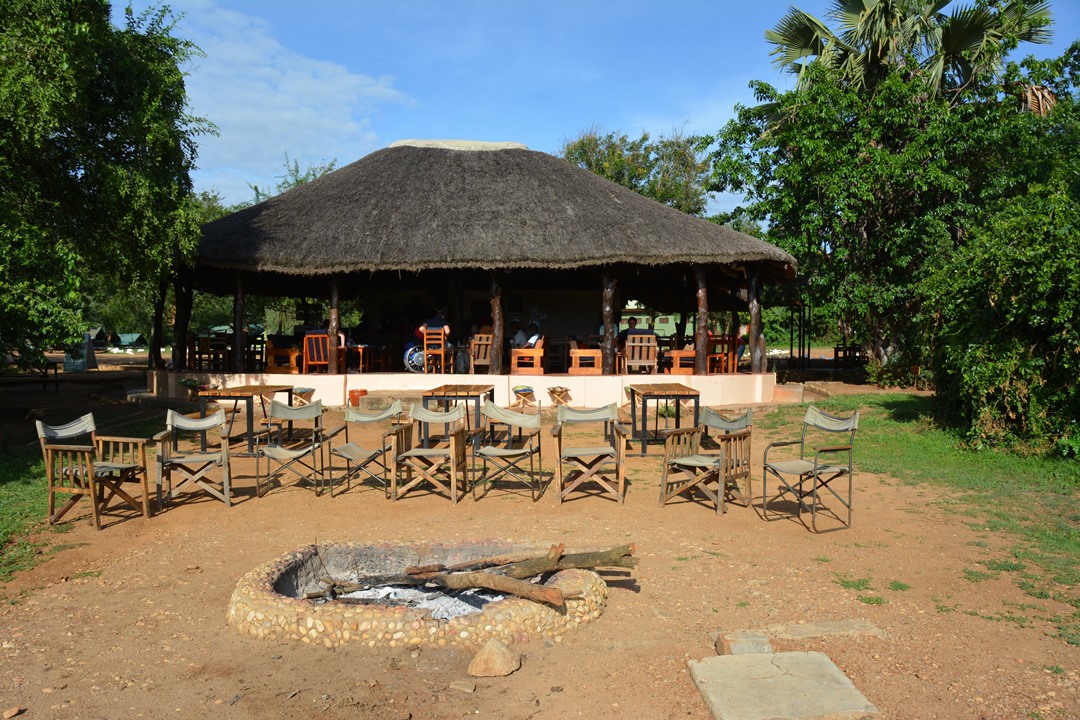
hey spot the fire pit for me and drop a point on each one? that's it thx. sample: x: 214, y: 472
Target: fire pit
x: 271, y: 601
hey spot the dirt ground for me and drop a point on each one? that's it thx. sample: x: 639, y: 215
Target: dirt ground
x: 129, y: 622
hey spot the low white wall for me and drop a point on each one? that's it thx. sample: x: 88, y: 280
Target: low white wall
x: 585, y: 390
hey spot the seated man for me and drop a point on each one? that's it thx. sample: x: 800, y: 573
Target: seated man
x: 533, y: 335
x: 631, y: 329
x: 435, y: 323
x: 517, y: 337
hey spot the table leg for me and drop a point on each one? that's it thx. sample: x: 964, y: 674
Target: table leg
x: 697, y: 409
x: 644, y: 424
x: 633, y: 413
x: 251, y: 424
x: 202, y: 414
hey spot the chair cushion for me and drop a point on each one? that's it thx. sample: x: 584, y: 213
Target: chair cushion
x: 588, y: 451
x: 501, y: 452
x: 283, y: 453
x: 357, y: 454
x: 696, y: 461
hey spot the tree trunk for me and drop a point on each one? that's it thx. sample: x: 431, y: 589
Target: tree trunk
x: 497, y: 327
x: 239, y: 344
x: 334, y: 328
x: 757, y: 334
x: 701, y: 332
x: 608, y: 310
x: 182, y: 323
x: 158, y: 329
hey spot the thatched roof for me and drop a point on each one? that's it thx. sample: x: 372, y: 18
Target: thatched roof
x: 445, y: 205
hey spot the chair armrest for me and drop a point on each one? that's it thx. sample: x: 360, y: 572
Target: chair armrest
x: 834, y: 448
x: 119, y: 439
x: 163, y: 436
x: 672, y: 432
x: 621, y: 429
x: 476, y: 431
x: 779, y: 443
x: 556, y: 430
x: 328, y: 434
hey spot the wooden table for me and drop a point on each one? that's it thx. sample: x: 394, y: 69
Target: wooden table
x: 465, y: 393
x: 247, y: 393
x: 658, y: 391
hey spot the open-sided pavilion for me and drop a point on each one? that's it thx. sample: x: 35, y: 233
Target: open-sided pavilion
x: 480, y: 227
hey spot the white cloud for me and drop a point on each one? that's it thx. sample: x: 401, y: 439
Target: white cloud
x: 267, y: 100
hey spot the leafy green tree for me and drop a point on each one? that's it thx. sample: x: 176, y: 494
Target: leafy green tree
x: 876, y: 37
x: 670, y: 170
x: 97, y: 149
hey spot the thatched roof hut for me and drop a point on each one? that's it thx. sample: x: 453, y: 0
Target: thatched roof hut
x: 457, y: 212
x: 418, y: 206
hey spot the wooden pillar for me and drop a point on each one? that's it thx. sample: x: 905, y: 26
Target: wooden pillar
x: 497, y: 329
x: 756, y: 340
x: 182, y: 322
x: 701, y: 331
x: 608, y: 311
x: 157, y: 331
x: 239, y: 343
x: 335, y: 327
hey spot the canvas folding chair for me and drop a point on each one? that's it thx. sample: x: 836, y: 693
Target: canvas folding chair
x: 603, y: 463
x: 304, y: 456
x: 508, y: 460
x: 817, y: 469
x: 98, y: 470
x: 193, y: 461
x: 368, y: 458
x: 692, y: 469
x: 443, y: 466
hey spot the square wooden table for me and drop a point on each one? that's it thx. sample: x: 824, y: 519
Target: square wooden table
x: 247, y: 393
x: 465, y: 393
x: 655, y: 392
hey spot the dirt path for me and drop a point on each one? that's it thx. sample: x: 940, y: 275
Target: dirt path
x: 130, y: 621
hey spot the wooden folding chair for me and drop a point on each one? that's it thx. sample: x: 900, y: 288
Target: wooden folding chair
x: 480, y: 352
x: 98, y: 471
x: 193, y: 461
x: 603, y: 464
x: 360, y: 456
x: 691, y: 470
x: 509, y: 460
x: 443, y: 467
x: 304, y: 456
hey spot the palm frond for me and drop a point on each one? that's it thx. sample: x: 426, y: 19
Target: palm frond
x: 798, y: 35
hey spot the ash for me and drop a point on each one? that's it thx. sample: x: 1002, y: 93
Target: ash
x: 444, y: 604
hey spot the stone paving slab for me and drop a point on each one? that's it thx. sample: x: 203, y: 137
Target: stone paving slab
x: 825, y: 628
x: 742, y: 642
x: 780, y: 686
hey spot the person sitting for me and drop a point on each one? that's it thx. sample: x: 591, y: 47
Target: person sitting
x: 437, y: 322
x: 533, y: 335
x: 631, y: 329
x: 517, y: 336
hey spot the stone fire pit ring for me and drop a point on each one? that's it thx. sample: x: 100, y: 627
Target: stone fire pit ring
x: 269, y: 603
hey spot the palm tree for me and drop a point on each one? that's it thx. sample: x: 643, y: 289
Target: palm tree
x: 873, y: 36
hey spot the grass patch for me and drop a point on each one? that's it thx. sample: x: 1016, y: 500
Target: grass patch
x: 849, y: 584
x: 1032, y: 499
x: 871, y: 599
x: 897, y: 586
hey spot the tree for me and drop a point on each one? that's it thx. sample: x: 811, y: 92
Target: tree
x: 670, y: 170
x: 875, y: 37
x: 97, y: 150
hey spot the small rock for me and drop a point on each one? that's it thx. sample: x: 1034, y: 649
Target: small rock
x: 463, y: 686
x: 494, y: 660
x: 13, y: 712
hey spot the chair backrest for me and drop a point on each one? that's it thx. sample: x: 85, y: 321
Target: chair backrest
x: 480, y: 349
x: 425, y: 415
x: 176, y: 421
x: 394, y: 409
x: 714, y: 420
x: 831, y: 423
x: 525, y: 421
x: 316, y: 349
x: 607, y: 413
x: 76, y: 428
x: 281, y: 411
x: 435, y: 340
x: 640, y: 349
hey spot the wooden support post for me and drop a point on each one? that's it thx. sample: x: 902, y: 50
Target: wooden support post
x: 183, y: 294
x: 608, y: 310
x: 757, y: 336
x: 236, y: 362
x: 498, y: 330
x: 701, y: 332
x: 334, y: 327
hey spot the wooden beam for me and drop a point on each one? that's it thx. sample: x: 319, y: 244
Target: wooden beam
x: 757, y: 336
x: 608, y: 310
x: 701, y: 331
x: 334, y: 327
x: 497, y: 326
x: 236, y: 361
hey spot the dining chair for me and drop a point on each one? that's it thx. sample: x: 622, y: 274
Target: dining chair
x: 366, y: 456
x: 480, y: 352
x: 441, y: 464
x: 528, y: 361
x: 436, y: 353
x: 601, y: 463
x: 303, y: 454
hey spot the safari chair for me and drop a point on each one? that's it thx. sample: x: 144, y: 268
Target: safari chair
x: 436, y: 353
x: 193, y: 462
x: 682, y: 361
x: 508, y: 460
x: 360, y: 457
x: 690, y: 468
x: 480, y: 352
x: 443, y: 466
x: 316, y: 353
x: 639, y: 354
x: 528, y: 361
x: 817, y: 468
x: 603, y: 463
x: 107, y: 463
x: 305, y: 456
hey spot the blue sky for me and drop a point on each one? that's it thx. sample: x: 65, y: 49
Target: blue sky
x: 335, y: 80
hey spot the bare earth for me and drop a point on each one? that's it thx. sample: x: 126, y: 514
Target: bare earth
x: 130, y: 621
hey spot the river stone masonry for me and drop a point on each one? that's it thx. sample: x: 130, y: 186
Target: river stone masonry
x: 268, y: 602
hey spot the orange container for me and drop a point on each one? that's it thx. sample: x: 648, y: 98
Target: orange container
x: 354, y: 397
